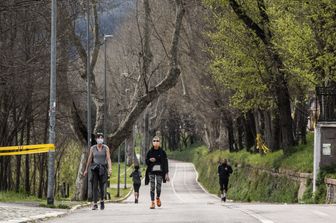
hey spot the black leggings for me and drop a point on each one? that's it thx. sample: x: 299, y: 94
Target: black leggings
x: 223, y: 183
x: 98, y: 180
x: 136, y: 187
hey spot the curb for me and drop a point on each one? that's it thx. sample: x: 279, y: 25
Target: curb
x: 48, y: 216
x: 205, y: 190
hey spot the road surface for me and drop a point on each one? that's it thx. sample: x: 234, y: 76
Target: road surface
x: 184, y: 201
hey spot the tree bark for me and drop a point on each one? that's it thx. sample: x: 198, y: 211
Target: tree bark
x: 27, y: 158
x: 250, y: 131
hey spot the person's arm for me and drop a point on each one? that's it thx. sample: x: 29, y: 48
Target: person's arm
x: 108, y: 159
x: 218, y: 169
x: 89, y: 161
x: 165, y: 164
x: 131, y: 175
x: 230, y: 170
x: 147, y: 158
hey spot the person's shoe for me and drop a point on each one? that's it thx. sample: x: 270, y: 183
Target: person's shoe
x: 102, y: 205
x: 158, y: 202
x: 152, y: 205
x: 95, y: 207
x: 136, y: 201
x: 224, y: 199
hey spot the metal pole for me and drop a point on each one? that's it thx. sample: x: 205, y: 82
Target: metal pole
x: 52, y: 108
x: 104, y: 116
x: 105, y: 93
x: 88, y: 77
x: 125, y: 160
x: 118, y: 186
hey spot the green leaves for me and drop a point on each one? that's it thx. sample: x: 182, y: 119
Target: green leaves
x: 303, y: 34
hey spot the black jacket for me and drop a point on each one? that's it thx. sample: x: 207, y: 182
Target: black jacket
x: 161, y: 159
x: 224, y: 171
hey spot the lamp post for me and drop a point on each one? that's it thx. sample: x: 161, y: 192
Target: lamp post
x: 52, y: 108
x: 88, y: 79
x: 105, y: 98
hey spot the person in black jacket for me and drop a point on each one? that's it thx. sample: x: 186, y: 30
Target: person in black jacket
x: 224, y: 172
x: 136, y: 177
x: 157, y: 169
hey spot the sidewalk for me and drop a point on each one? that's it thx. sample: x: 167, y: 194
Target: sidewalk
x: 15, y: 212
x: 32, y: 212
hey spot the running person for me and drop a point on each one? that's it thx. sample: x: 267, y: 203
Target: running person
x: 224, y: 172
x: 136, y: 177
x: 157, y: 170
x: 99, y: 159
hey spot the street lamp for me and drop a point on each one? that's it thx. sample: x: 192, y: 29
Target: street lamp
x: 52, y: 108
x: 105, y: 105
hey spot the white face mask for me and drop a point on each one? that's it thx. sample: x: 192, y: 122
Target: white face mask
x: 100, y: 141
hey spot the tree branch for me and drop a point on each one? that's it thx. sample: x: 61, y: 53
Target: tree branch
x: 167, y: 83
x: 248, y: 20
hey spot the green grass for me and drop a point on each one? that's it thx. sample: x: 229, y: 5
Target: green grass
x: 114, y: 178
x: 123, y: 192
x: 10, y: 196
x: 13, y: 197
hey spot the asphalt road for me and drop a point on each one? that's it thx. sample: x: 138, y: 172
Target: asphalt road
x: 183, y: 200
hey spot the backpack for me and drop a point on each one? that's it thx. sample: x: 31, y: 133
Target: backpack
x: 136, y: 177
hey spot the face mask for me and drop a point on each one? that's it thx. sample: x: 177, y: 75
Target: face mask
x: 100, y: 141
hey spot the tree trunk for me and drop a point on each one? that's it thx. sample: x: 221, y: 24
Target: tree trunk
x: 27, y: 159
x: 268, y: 134
x: 287, y: 138
x: 130, y: 149
x: 223, y: 139
x: 232, y: 143
x: 240, y: 132
x: 81, y: 180
x: 250, y: 131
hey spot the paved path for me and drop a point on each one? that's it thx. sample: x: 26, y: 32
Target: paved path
x: 183, y: 200
x: 22, y: 213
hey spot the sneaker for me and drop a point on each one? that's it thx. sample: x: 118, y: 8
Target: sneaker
x: 224, y: 199
x: 102, y: 205
x: 95, y: 207
x: 152, y: 205
x: 158, y: 202
x: 136, y: 201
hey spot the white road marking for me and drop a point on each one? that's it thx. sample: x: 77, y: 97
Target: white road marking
x: 172, y: 184
x: 185, y: 184
x: 320, y: 213
x: 196, y: 178
x: 256, y: 216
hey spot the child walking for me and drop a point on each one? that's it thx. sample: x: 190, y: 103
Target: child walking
x: 136, y: 177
